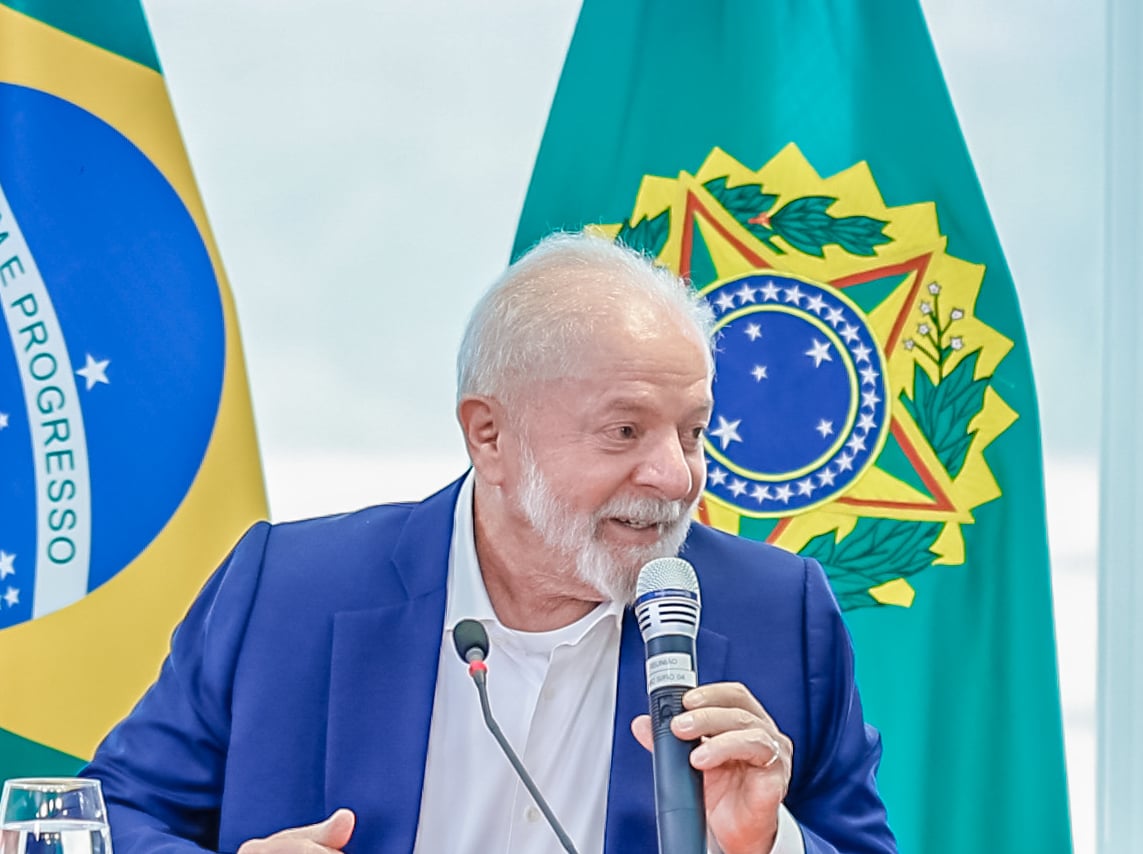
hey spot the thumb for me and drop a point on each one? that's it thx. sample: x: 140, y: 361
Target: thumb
x: 641, y: 729
x: 334, y: 832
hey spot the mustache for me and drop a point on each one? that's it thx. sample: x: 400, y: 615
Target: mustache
x: 645, y: 510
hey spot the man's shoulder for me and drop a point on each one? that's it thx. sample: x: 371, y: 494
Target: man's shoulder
x: 719, y: 551
x: 745, y: 575
x: 363, y: 554
x: 348, y: 528
x: 366, y: 527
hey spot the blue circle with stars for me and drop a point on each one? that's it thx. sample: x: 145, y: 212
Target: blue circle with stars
x: 133, y: 288
x: 801, y: 404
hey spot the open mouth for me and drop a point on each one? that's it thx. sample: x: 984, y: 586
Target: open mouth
x: 636, y: 524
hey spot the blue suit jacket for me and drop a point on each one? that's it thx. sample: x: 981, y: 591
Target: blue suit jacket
x: 302, y: 680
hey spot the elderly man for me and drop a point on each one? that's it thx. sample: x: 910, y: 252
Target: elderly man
x: 312, y: 702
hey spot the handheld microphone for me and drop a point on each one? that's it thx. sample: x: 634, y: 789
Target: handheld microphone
x: 667, y: 606
x: 471, y: 642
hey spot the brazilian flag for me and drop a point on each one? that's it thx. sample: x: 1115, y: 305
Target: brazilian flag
x: 801, y: 163
x: 128, y: 461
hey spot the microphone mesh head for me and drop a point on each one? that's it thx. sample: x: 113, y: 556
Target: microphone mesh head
x: 666, y: 573
x: 667, y: 599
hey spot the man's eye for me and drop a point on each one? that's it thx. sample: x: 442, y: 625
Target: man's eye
x: 626, y: 432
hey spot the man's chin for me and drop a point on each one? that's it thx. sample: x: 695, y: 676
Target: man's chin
x: 629, y: 561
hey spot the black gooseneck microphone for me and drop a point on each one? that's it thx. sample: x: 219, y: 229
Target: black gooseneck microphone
x: 667, y: 606
x: 471, y: 642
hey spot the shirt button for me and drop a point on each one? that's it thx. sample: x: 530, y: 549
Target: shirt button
x: 532, y: 814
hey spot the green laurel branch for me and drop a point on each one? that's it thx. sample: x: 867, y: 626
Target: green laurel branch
x: 743, y: 202
x: 803, y: 223
x: 746, y: 203
x: 944, y: 410
x: 648, y: 235
x: 875, y: 552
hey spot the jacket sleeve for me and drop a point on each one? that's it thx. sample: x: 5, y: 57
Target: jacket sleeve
x: 162, y: 768
x: 836, y: 800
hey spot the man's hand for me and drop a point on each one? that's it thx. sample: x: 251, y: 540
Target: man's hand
x: 745, y: 759
x: 325, y: 837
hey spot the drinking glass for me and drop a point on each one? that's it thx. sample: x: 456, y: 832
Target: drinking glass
x: 53, y: 816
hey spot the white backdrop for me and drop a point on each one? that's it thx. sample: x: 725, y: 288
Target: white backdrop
x: 363, y: 165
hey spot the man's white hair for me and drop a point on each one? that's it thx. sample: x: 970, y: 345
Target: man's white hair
x: 547, y: 306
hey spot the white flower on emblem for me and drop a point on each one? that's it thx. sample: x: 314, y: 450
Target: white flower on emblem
x: 926, y: 308
x: 957, y: 343
x: 923, y: 328
x: 934, y: 288
x: 909, y: 344
x: 956, y: 313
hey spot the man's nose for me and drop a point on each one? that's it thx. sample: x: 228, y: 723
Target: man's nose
x: 666, y: 468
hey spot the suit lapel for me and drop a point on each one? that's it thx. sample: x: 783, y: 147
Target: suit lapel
x: 382, y: 680
x: 631, y: 793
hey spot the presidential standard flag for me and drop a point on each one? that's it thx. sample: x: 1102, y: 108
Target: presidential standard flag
x: 801, y: 163
x: 128, y: 463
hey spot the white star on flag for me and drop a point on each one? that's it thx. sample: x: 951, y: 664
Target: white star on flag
x: 725, y: 301
x: 760, y: 493
x: 94, y: 371
x: 727, y: 432
x: 844, y: 463
x: 861, y: 353
x: 784, y: 493
x: 819, y: 352
x: 825, y: 478
x: 835, y: 316
x: 794, y: 294
x: 825, y: 428
x: 867, y: 422
x: 855, y: 444
x: 769, y: 291
x: 849, y: 332
x: 6, y: 564
x: 745, y: 293
x: 737, y: 486
x: 759, y: 373
x: 12, y: 597
x: 3, y: 420
x: 717, y: 476
x: 753, y: 331
x: 868, y: 375
x: 806, y: 487
x: 816, y: 304
x: 870, y: 399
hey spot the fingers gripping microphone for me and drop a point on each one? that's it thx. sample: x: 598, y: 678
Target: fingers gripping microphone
x: 471, y: 642
x: 667, y: 607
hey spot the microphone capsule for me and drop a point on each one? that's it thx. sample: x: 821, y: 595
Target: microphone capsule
x: 471, y: 641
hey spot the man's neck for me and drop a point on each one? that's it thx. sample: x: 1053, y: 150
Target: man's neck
x: 530, y: 589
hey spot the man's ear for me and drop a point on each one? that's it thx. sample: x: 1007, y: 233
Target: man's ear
x: 482, y: 421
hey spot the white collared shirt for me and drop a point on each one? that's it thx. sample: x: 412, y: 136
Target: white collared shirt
x: 553, y: 694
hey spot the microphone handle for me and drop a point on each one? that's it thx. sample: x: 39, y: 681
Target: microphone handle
x: 493, y: 727
x: 680, y: 809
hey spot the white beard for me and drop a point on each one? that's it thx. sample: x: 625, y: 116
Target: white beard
x: 610, y: 570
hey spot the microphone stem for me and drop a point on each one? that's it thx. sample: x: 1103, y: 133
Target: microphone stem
x: 494, y: 728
